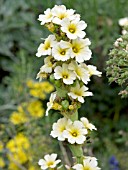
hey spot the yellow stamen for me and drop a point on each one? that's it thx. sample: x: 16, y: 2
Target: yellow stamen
x: 71, y: 30
x: 87, y: 168
x: 50, y: 163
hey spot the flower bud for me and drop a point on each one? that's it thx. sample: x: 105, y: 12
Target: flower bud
x: 52, y: 79
x: 56, y: 106
x: 71, y: 107
x: 65, y: 104
x: 50, y: 27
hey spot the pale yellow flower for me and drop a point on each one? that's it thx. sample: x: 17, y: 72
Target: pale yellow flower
x: 59, y: 12
x: 49, y: 161
x: 81, y: 73
x: 79, y: 93
x: 46, y: 48
x: 61, y: 51
x: 74, y: 28
x: 46, y: 17
x: 47, y: 67
x: 75, y: 133
x: 80, y: 50
x: 63, y: 73
x: 93, y: 70
x: 59, y: 127
x: 50, y: 103
x: 87, y: 125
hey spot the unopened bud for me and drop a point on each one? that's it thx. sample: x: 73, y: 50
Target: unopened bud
x: 71, y: 107
x: 65, y: 104
x: 56, y: 106
x: 50, y: 27
x: 52, y: 79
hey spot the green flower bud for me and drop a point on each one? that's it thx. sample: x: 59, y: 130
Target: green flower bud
x: 65, y: 104
x: 52, y: 79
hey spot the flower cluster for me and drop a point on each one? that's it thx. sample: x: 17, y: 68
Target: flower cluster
x: 34, y: 107
x: 66, y: 49
x: 18, y: 149
x: 39, y: 90
x: 73, y: 132
x: 19, y: 153
x: 117, y: 64
x: 25, y: 111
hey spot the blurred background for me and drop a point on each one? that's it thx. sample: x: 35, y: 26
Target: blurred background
x: 23, y: 100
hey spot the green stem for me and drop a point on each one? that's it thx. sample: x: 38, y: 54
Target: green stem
x: 77, y: 152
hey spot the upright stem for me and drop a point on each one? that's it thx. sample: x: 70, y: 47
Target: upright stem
x: 77, y: 152
x: 76, y: 149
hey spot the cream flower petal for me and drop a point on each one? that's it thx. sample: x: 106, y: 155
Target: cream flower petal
x: 78, y: 167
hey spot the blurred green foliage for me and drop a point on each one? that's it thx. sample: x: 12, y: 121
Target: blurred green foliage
x: 19, y: 39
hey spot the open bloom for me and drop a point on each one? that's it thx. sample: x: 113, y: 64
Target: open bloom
x: 80, y: 50
x: 59, y: 12
x: 50, y: 103
x: 49, y: 161
x: 46, y: 48
x: 86, y: 124
x: 47, y: 67
x: 78, y: 92
x: 89, y: 163
x: 93, y: 70
x: 123, y: 22
x: 46, y: 17
x: 73, y: 28
x: 75, y: 133
x: 61, y: 51
x: 81, y: 73
x: 63, y: 73
x: 59, y: 127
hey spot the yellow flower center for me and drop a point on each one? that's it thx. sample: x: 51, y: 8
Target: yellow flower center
x: 78, y: 93
x: 49, y: 15
x: 74, y: 134
x: 50, y: 64
x: 47, y: 45
x: 72, y: 30
x: 78, y: 72
x: 87, y: 168
x: 62, y: 16
x: 62, y: 128
x: 50, y: 163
